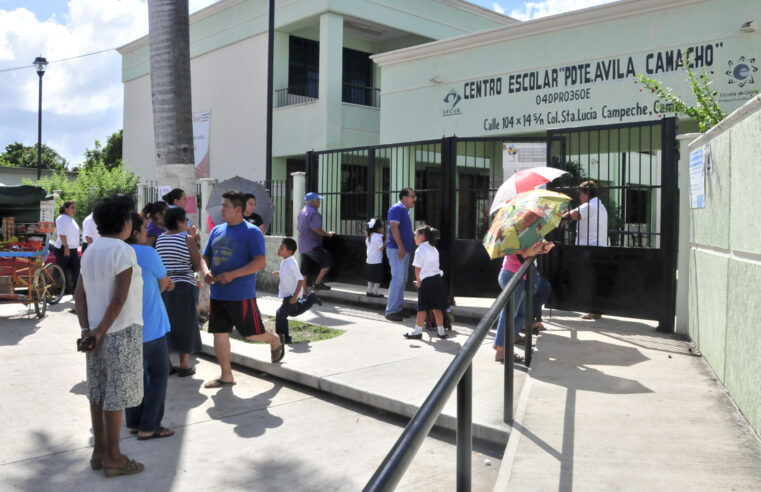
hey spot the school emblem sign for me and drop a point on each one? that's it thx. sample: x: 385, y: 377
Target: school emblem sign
x: 451, y: 101
x: 741, y: 71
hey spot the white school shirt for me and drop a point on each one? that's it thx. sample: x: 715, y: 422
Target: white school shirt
x: 290, y: 276
x: 67, y: 226
x: 374, y: 248
x: 427, y: 259
x: 592, y: 227
x: 102, y: 262
x: 89, y: 229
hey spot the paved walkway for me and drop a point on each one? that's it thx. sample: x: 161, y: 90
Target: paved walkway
x: 262, y: 434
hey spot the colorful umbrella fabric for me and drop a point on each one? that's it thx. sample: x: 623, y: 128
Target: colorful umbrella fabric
x: 522, y: 181
x: 524, y: 221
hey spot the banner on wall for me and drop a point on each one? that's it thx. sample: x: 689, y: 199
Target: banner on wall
x: 519, y: 156
x: 697, y: 178
x: 201, y: 122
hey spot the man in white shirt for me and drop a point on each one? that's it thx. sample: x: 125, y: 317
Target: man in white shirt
x: 292, y: 284
x: 89, y: 232
x: 592, y: 223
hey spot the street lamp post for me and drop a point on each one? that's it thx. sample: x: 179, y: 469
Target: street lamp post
x: 40, y: 63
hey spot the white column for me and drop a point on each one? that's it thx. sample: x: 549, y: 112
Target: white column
x: 298, y: 192
x: 206, y: 185
x: 331, y: 77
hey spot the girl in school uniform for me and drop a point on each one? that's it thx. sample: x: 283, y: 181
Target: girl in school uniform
x: 374, y: 266
x: 432, y: 293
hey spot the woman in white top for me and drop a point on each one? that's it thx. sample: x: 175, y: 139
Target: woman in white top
x: 432, y: 293
x: 65, y: 247
x: 109, y: 305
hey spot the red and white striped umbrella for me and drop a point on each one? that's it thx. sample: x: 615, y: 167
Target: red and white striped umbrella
x: 522, y: 181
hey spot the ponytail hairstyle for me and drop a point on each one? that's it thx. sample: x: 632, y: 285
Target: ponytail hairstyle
x: 137, y: 225
x: 153, y: 210
x: 66, y: 204
x: 173, y: 196
x: 430, y: 234
x: 372, y: 225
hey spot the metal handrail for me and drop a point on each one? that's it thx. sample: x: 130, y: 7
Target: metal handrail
x: 459, y: 373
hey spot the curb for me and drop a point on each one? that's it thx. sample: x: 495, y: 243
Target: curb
x: 491, y: 434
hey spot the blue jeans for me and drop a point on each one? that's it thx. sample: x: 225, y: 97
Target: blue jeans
x: 287, y: 309
x: 542, y: 289
x: 399, y: 272
x: 147, y: 416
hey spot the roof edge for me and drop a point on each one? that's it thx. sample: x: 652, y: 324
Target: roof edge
x: 557, y: 22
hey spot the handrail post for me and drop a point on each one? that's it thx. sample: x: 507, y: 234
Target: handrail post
x: 508, y: 338
x: 530, y: 274
x: 464, y: 429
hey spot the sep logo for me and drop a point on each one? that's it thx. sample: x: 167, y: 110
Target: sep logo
x: 741, y: 72
x: 450, y: 103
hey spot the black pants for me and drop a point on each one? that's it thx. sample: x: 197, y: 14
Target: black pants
x: 70, y: 265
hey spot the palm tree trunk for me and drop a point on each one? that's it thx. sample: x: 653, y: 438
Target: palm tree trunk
x: 169, y: 38
x: 170, y: 81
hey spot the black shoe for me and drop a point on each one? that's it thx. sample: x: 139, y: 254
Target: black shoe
x: 320, y: 286
x: 172, y: 370
x: 287, y: 340
x: 444, y: 335
x: 370, y: 294
x: 397, y: 316
x: 188, y: 371
x: 316, y: 299
x: 413, y: 336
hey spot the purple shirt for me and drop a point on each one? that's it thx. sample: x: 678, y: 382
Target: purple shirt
x: 309, y: 220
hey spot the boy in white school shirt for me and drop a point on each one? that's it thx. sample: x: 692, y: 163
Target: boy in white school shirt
x: 292, y: 284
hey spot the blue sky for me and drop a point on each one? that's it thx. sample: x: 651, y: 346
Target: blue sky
x: 82, y: 98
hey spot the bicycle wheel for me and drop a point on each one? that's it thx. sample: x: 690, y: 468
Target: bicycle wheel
x: 56, y: 283
x: 38, y: 294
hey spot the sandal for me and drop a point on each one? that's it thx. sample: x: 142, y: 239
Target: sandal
x: 218, y: 383
x: 130, y: 468
x: 157, y: 434
x: 96, y: 464
x: 278, y: 353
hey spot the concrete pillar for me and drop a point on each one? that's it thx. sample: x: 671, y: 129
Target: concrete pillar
x: 281, y: 46
x: 331, y: 77
x: 298, y: 192
x: 206, y: 186
x: 683, y: 259
x: 141, y: 196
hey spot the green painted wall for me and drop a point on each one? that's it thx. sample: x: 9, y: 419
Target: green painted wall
x: 725, y: 262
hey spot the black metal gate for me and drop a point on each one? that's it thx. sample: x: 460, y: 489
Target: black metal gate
x: 456, y: 178
x: 635, y: 170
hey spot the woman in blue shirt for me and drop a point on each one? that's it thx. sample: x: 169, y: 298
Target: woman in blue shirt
x: 145, y: 419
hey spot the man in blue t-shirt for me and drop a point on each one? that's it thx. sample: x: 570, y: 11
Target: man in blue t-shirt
x: 234, y: 253
x: 398, y: 249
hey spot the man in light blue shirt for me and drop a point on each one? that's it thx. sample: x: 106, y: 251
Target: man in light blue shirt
x: 398, y: 248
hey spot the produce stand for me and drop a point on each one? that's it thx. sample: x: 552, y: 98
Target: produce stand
x: 25, y: 274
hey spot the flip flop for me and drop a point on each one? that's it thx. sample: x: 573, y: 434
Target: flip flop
x: 218, y: 383
x: 158, y: 434
x: 130, y: 468
x: 278, y: 353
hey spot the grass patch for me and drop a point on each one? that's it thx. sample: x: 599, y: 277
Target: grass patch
x: 300, y: 332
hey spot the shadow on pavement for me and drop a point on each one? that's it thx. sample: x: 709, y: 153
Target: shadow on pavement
x: 251, y: 416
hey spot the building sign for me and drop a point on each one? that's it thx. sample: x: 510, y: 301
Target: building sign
x: 697, y: 178
x: 201, y: 143
x: 602, y: 91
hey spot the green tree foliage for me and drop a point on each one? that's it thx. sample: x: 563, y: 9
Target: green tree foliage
x: 93, y: 183
x: 706, y: 111
x: 20, y: 155
x: 110, y: 156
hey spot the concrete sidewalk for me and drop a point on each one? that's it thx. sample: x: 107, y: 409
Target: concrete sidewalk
x: 616, y: 405
x: 372, y: 363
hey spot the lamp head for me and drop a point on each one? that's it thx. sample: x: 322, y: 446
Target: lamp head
x: 40, y: 63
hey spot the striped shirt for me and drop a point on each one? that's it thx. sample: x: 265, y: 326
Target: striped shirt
x: 176, y: 257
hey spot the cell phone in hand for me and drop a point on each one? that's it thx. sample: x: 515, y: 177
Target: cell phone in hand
x: 85, y: 344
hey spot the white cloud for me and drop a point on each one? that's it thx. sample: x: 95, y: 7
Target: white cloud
x: 498, y: 8
x: 533, y: 10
